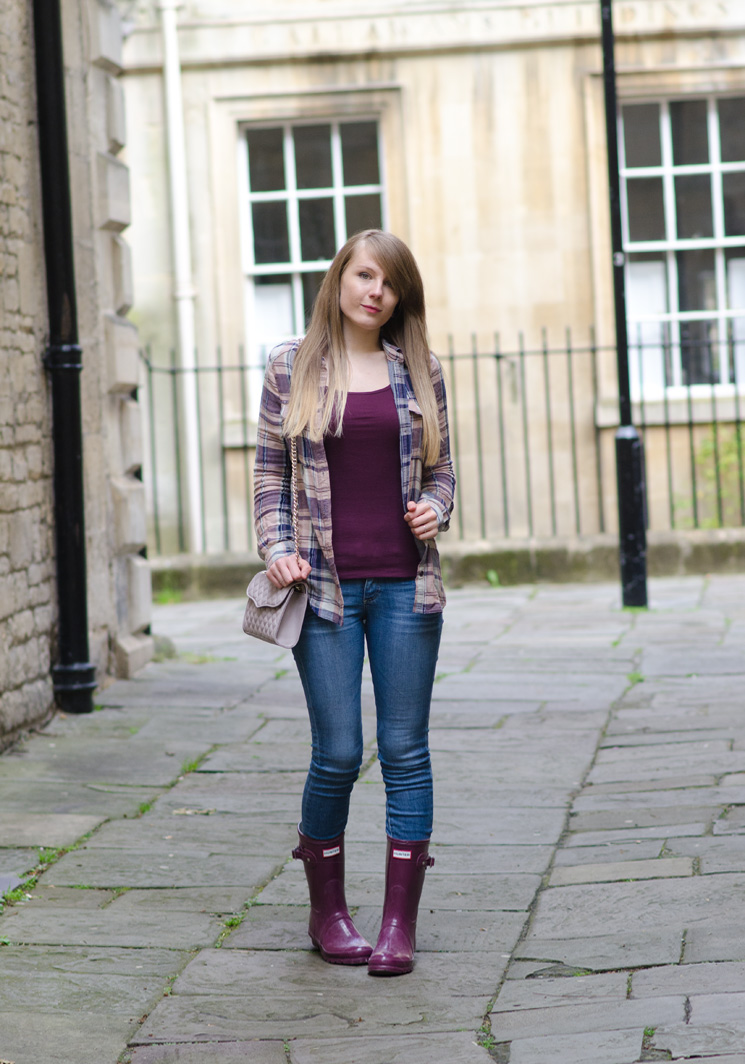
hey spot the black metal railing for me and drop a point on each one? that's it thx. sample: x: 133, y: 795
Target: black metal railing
x: 532, y: 434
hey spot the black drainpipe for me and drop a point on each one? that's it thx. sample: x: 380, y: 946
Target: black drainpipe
x: 74, y: 677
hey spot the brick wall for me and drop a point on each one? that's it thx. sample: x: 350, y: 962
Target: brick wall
x: 118, y: 577
x: 27, y: 584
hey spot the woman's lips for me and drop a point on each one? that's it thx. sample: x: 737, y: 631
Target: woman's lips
x: 373, y: 310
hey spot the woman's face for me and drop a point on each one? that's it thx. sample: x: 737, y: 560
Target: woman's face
x: 366, y: 298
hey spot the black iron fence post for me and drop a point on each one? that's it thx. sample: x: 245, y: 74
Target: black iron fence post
x: 629, y: 450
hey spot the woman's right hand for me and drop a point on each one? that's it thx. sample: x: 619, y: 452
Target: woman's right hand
x: 286, y: 571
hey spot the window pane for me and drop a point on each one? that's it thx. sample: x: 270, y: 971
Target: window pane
x: 696, y: 281
x: 646, y: 208
x: 732, y: 129
x: 363, y: 212
x: 266, y: 162
x: 271, y: 239
x: 273, y: 303
x: 646, y: 297
x: 735, y: 260
x: 641, y: 134
x: 690, y: 135
x: 693, y: 206
x: 311, y: 284
x: 733, y: 191
x: 359, y: 152
x: 737, y: 351
x: 317, y: 238
x: 313, y: 156
x: 699, y: 352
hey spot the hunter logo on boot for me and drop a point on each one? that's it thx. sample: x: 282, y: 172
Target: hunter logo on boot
x: 334, y: 851
x: 404, y: 855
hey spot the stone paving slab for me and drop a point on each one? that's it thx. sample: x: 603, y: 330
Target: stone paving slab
x: 260, y: 757
x: 726, y: 794
x: 17, y: 861
x: 696, y: 781
x: 404, y: 1049
x: 96, y: 1036
x: 547, y: 992
x: 688, y: 979
x: 610, y: 1047
x: 582, y: 1018
x: 71, y: 989
x: 695, y: 719
x: 30, y: 962
x: 622, y: 870
x: 685, y: 1041
x: 198, y: 834
x: 684, y: 902
x: 224, y: 995
x: 633, y: 850
x: 174, y: 684
x: 632, y: 816
x: 716, y: 941
x: 45, y: 829
x: 174, y: 929
x: 115, y: 868
x: 124, y: 761
x: 673, y: 763
x: 71, y: 797
x: 632, y: 834
x: 222, y: 1053
x: 607, y: 952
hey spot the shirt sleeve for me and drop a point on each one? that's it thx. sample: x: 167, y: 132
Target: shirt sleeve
x: 272, y: 474
x: 438, y: 480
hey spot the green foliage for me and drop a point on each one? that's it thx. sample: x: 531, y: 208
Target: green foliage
x: 718, y: 464
x: 168, y: 592
x: 492, y: 577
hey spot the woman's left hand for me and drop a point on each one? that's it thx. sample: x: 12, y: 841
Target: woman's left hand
x: 422, y: 520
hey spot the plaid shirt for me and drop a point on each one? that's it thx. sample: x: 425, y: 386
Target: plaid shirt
x: 272, y: 477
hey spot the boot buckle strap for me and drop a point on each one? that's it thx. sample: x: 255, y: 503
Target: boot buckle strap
x: 301, y: 854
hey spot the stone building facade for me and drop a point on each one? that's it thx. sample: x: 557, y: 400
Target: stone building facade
x: 118, y: 573
x: 476, y: 131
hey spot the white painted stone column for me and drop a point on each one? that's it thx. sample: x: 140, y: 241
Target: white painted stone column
x: 183, y: 288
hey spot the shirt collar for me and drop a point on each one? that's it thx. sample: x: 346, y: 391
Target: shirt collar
x: 395, y: 354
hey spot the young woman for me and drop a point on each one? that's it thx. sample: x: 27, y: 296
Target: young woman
x: 365, y: 400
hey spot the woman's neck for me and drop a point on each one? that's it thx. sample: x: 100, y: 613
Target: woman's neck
x: 361, y: 342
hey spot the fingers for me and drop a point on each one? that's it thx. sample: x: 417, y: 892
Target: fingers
x: 286, y: 571
x: 422, y: 520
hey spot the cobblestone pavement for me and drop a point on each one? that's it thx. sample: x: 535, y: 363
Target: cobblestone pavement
x: 587, y: 901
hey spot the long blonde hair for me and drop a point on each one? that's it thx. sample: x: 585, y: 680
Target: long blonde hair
x: 406, y: 329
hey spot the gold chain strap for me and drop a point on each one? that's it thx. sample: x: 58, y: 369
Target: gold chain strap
x: 293, y: 460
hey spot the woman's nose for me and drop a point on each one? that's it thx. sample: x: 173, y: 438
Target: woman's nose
x: 376, y: 287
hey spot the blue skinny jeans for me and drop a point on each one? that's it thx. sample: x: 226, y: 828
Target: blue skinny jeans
x: 402, y: 647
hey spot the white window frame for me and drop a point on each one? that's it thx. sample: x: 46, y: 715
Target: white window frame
x: 257, y: 348
x: 652, y: 377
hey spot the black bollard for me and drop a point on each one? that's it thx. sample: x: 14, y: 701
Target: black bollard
x: 632, y: 515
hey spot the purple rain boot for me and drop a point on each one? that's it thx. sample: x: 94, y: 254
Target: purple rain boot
x: 331, y: 929
x: 406, y: 864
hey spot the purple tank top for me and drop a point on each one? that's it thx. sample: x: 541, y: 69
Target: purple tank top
x: 369, y: 535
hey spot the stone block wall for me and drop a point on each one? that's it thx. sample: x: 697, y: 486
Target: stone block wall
x: 27, y: 576
x: 118, y: 575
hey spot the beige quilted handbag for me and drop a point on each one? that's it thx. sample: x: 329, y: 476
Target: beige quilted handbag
x: 276, y: 614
